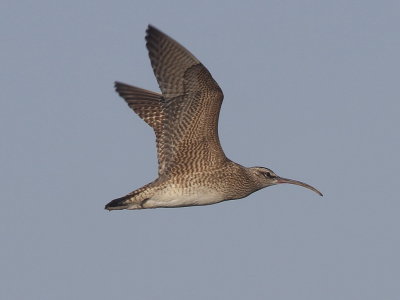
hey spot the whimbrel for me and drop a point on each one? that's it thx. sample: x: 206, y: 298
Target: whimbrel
x: 192, y: 167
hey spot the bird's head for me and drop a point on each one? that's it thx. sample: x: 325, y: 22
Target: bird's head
x: 266, y: 177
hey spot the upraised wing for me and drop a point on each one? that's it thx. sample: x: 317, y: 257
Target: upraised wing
x: 191, y: 109
x: 149, y: 106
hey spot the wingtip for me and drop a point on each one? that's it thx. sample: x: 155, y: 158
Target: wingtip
x: 149, y: 30
x: 118, y: 85
x: 152, y: 32
x: 151, y: 27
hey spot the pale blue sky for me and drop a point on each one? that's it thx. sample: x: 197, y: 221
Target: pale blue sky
x: 311, y: 91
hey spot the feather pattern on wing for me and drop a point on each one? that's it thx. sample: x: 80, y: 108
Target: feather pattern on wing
x: 191, y: 109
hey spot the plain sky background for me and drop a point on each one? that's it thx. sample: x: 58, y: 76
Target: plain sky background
x: 311, y: 91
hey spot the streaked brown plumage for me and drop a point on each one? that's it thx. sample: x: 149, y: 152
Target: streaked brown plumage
x: 193, y: 169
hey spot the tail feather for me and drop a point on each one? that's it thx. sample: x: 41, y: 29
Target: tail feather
x: 119, y: 203
x: 133, y: 200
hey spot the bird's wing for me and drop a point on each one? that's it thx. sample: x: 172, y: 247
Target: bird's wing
x: 148, y: 105
x: 191, y: 109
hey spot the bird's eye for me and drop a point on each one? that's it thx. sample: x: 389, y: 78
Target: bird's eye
x: 269, y: 175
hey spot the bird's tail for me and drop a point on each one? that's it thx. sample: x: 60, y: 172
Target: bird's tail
x: 134, y: 200
x: 119, y: 203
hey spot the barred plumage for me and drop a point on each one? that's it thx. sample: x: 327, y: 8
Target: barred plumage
x: 193, y: 169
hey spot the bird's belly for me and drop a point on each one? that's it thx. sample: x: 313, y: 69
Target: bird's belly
x: 176, y: 197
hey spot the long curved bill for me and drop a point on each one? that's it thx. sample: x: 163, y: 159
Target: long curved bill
x: 291, y: 181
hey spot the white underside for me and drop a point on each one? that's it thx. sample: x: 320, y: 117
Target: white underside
x: 175, y: 197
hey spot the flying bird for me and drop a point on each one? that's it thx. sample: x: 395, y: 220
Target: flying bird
x: 192, y: 167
